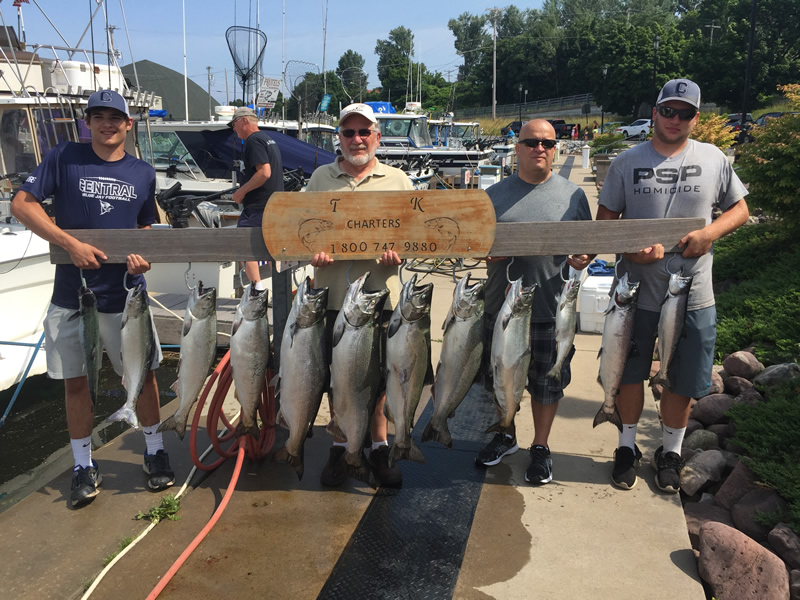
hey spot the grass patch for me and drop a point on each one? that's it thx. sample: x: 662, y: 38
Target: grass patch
x: 124, y: 543
x: 756, y: 267
x: 168, y: 509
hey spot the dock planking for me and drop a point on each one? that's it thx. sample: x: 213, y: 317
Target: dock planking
x: 169, y: 327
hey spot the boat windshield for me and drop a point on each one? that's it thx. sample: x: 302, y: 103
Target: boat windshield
x: 413, y: 128
x: 168, y: 150
x: 17, y: 146
x: 321, y: 138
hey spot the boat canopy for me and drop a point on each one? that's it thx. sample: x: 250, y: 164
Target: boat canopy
x: 381, y: 107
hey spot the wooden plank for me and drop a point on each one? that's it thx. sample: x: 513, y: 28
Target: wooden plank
x: 511, y: 239
x: 590, y: 237
x: 359, y: 225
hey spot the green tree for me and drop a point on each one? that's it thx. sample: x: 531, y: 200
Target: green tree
x: 351, y: 75
x: 394, y: 58
x: 470, y: 39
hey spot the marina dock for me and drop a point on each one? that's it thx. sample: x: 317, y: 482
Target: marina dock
x: 454, y: 530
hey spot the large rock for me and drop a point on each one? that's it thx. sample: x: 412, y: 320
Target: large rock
x: 738, y: 568
x: 717, y: 384
x: 722, y: 431
x: 776, y: 374
x: 742, y: 364
x: 701, y: 469
x: 692, y: 426
x: 786, y: 544
x: 749, y: 396
x: 698, y: 514
x: 735, y: 385
x: 711, y: 409
x: 794, y: 591
x: 758, y: 501
x: 702, y: 439
x: 741, y: 481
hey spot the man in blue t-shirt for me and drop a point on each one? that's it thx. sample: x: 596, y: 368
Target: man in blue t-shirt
x: 263, y: 175
x: 94, y: 186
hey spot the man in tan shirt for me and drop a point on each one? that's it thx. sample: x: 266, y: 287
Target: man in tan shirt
x: 358, y: 170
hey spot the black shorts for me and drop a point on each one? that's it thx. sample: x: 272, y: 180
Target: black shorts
x: 251, y: 217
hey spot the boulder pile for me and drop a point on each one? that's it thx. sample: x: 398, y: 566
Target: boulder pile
x: 738, y: 557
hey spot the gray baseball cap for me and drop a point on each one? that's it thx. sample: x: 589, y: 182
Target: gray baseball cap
x: 242, y: 111
x: 684, y: 90
x: 107, y: 99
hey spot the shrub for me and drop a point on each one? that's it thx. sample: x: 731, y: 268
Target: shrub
x: 607, y: 143
x: 768, y: 434
x: 712, y: 129
x: 771, y: 165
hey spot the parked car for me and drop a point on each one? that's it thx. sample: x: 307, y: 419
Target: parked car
x: 611, y: 127
x: 562, y: 128
x: 514, y: 126
x: 735, y: 121
x: 746, y: 135
x: 640, y: 128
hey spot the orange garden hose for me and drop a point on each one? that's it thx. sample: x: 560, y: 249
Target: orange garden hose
x: 244, y: 445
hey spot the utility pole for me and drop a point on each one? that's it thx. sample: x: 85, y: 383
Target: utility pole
x: 712, y: 27
x: 495, y: 12
x: 210, y: 79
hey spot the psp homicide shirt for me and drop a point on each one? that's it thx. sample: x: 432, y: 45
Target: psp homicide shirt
x: 91, y: 193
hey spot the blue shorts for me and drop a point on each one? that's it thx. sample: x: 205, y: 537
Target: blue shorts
x: 250, y: 217
x: 690, y: 369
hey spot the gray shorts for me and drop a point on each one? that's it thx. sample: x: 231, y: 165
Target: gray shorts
x: 63, y: 342
x: 690, y: 369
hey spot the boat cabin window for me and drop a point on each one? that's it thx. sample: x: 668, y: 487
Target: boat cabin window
x: 17, y: 147
x: 418, y: 133
x: 321, y: 139
x: 168, y: 150
x: 394, y: 127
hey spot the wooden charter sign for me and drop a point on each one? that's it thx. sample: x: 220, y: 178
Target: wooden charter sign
x: 364, y: 225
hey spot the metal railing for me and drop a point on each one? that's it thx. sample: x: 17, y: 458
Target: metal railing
x: 534, y: 105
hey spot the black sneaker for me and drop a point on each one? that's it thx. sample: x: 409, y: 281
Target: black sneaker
x: 541, y: 469
x: 500, y: 446
x: 387, y: 476
x: 668, y: 466
x: 335, y: 471
x: 625, y: 463
x: 157, y: 469
x: 85, y: 481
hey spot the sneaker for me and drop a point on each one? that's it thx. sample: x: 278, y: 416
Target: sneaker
x: 625, y: 463
x: 85, y: 481
x: 156, y: 467
x: 387, y: 476
x: 668, y: 467
x: 541, y: 469
x: 335, y: 471
x: 500, y: 446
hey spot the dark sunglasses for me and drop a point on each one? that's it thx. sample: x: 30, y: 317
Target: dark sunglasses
x: 533, y: 142
x: 684, y: 114
x: 362, y: 133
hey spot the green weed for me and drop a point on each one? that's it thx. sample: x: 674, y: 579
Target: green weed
x: 168, y: 509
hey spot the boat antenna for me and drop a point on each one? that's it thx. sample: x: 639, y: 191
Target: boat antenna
x: 109, y: 45
x: 130, y: 48
x: 240, y: 41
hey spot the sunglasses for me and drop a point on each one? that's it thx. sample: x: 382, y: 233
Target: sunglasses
x: 533, y: 142
x: 684, y: 114
x: 362, y: 133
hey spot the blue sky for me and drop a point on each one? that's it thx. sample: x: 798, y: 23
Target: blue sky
x: 156, y: 31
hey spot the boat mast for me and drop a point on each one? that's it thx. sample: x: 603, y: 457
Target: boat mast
x: 185, y: 76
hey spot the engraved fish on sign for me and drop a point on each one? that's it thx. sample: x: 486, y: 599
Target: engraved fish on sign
x: 446, y: 227
x: 310, y: 229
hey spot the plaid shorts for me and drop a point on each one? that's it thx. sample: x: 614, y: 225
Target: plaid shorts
x: 543, y: 390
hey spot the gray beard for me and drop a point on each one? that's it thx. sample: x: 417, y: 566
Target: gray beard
x: 358, y: 161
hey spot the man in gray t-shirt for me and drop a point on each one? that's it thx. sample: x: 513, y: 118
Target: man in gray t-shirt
x: 534, y: 193
x: 670, y: 176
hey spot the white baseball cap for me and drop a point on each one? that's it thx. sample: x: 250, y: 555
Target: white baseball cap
x: 357, y: 109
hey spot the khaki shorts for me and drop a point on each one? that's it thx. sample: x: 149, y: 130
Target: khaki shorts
x: 63, y: 342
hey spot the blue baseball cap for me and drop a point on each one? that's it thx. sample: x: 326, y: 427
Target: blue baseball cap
x: 108, y: 99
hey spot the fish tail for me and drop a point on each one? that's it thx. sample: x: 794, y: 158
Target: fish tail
x: 555, y: 373
x: 335, y: 430
x: 242, y: 429
x: 497, y: 427
x: 602, y: 416
x: 661, y: 379
x: 359, y: 469
x: 412, y: 452
x: 442, y: 436
x: 126, y: 414
x: 283, y: 455
x: 175, y: 424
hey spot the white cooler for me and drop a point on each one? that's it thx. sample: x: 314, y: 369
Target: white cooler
x: 593, y: 302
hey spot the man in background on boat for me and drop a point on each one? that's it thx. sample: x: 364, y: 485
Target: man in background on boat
x: 357, y: 170
x: 534, y: 193
x: 94, y: 186
x: 262, y: 175
x: 644, y: 183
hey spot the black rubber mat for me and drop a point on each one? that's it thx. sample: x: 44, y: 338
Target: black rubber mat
x: 566, y: 168
x: 410, y: 542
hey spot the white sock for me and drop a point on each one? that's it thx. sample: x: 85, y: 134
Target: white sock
x: 259, y: 286
x: 627, y: 437
x: 673, y: 439
x: 376, y: 445
x: 82, y: 451
x: 343, y: 444
x: 153, y: 439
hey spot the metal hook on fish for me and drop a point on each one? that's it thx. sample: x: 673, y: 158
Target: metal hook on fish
x: 400, y: 271
x: 83, y: 279
x: 508, y: 270
x: 347, y: 273
x: 186, y: 278
x: 666, y: 265
x: 242, y: 276
x: 125, y: 281
x: 561, y: 272
x: 616, y: 268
